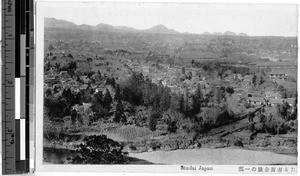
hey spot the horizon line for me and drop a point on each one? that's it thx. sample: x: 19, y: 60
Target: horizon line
x: 186, y: 32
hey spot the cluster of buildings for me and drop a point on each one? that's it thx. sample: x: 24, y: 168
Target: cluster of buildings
x: 170, y: 76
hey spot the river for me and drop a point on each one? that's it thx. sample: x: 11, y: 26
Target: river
x: 204, y: 156
x: 207, y: 156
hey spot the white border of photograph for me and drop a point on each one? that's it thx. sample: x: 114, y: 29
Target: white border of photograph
x: 40, y: 167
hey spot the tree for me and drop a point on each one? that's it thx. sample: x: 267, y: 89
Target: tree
x: 118, y: 93
x: 260, y: 79
x: 79, y: 80
x: 280, y: 88
x: 197, y: 100
x: 181, y: 104
x: 99, y: 150
x: 165, y: 101
x: 89, y: 59
x: 254, y: 80
x: 99, y: 74
x: 57, y: 66
x: 85, y: 96
x: 189, y: 75
x: 175, y: 102
x: 111, y: 81
x: 294, y: 114
x: 89, y: 75
x: 172, y: 127
x: 283, y: 109
x: 69, y: 97
x: 107, y: 100
x: 74, y: 115
x: 217, y: 95
x: 196, y: 104
x: 193, y: 62
x: 156, y: 101
x: 70, y: 56
x: 119, y: 113
x: 229, y: 89
x: 48, y: 93
x: 56, y: 108
x: 283, y: 91
x: 97, y: 101
x: 186, y: 101
x: 50, y: 48
x: 153, y: 120
x: 132, y: 89
x: 284, y: 94
x: 183, y: 70
x: 47, y: 66
x: 126, y: 94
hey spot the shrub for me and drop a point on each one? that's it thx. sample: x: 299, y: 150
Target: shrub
x: 172, y: 127
x: 99, y: 150
x: 260, y: 127
x: 238, y: 143
x: 251, y: 127
x: 277, y: 127
x: 293, y: 125
x: 53, y: 132
x: 155, y: 145
x: 132, y: 147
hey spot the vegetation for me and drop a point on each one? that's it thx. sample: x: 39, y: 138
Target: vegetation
x: 186, y: 89
x: 99, y: 150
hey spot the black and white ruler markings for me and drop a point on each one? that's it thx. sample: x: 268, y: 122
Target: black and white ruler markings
x: 17, y: 84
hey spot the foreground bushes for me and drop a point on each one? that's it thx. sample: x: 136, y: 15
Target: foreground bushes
x: 99, y: 150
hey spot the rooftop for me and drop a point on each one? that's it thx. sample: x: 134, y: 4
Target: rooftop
x: 265, y: 64
x: 278, y: 72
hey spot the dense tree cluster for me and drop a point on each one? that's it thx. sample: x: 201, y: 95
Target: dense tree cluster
x: 210, y: 66
x: 99, y: 150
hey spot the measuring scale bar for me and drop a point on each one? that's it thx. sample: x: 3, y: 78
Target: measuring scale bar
x: 20, y: 118
x: 17, y: 84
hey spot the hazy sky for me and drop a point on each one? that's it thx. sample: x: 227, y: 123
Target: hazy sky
x: 253, y: 19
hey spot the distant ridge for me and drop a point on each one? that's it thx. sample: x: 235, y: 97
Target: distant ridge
x: 225, y: 33
x: 54, y: 23
x: 243, y: 34
x: 63, y: 24
x: 206, y: 33
x: 159, y: 29
x: 229, y: 33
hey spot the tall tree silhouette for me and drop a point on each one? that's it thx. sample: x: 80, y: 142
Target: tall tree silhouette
x: 197, y: 100
x: 119, y: 113
x: 118, y: 93
x: 107, y: 100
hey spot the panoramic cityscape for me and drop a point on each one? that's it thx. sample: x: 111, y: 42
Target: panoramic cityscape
x: 121, y: 95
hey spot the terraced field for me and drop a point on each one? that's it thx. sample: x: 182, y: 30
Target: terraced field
x: 130, y: 133
x: 121, y: 133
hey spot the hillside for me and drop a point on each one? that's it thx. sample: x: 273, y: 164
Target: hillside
x: 157, y: 90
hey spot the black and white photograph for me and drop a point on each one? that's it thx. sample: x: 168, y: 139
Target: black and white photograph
x: 168, y: 84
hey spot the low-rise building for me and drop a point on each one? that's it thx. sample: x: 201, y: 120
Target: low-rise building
x: 290, y: 101
x: 274, y: 102
x: 256, y: 101
x: 278, y: 74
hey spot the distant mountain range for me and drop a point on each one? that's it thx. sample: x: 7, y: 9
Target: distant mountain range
x: 225, y: 33
x: 159, y: 29
x: 63, y: 24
